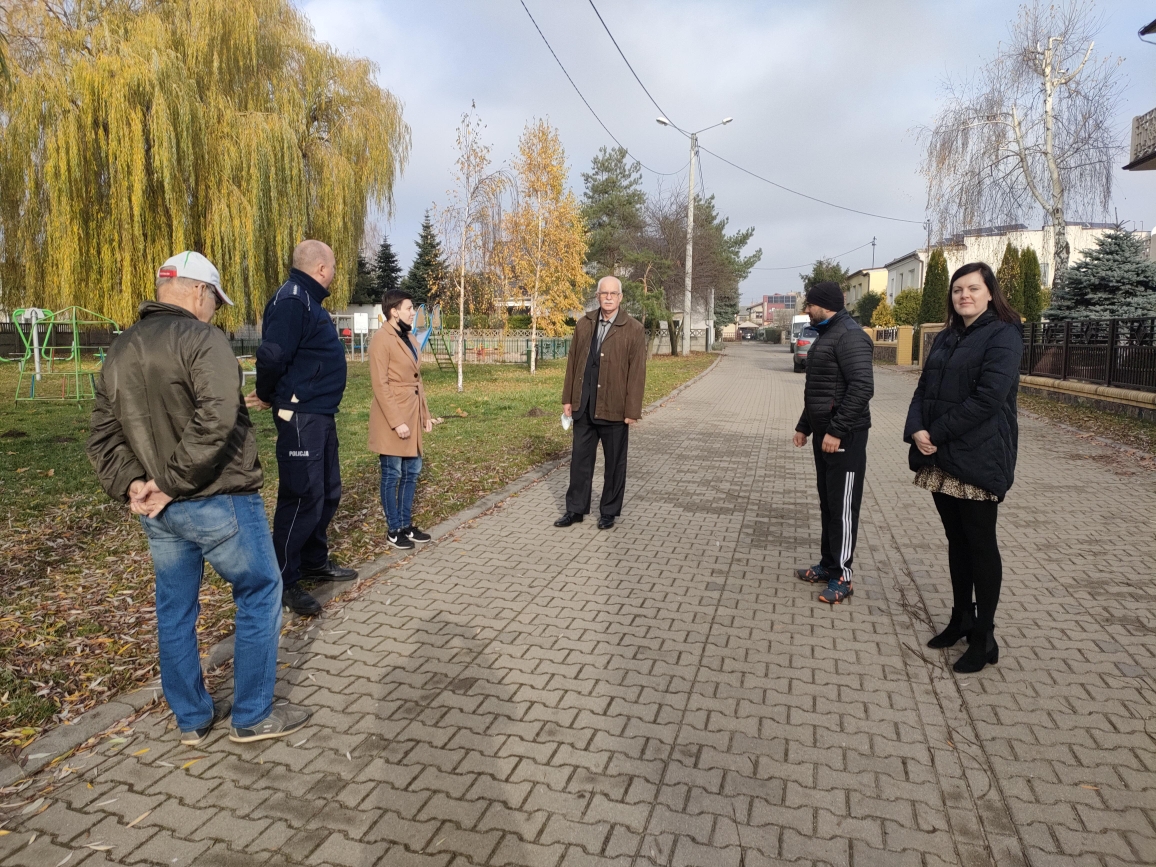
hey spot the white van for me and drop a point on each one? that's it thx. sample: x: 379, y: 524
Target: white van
x: 798, y: 323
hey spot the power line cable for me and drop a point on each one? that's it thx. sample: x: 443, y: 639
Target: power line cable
x: 587, y: 102
x: 627, y: 62
x: 812, y: 198
x: 793, y: 267
x: 724, y: 159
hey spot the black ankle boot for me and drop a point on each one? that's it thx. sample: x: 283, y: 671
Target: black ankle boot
x: 960, y: 626
x: 983, y: 651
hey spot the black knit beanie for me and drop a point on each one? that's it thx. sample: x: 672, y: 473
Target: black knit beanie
x: 827, y: 295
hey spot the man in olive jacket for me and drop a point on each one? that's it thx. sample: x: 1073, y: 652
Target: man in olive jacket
x: 171, y: 437
x: 605, y: 379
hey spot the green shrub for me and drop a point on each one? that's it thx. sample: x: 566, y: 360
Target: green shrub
x: 907, y: 306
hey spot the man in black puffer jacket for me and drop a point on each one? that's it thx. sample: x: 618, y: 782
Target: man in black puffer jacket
x: 836, y: 409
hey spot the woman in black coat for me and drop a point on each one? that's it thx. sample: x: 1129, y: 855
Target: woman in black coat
x: 963, y: 430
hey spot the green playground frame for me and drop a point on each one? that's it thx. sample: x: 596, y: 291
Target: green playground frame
x: 63, y: 352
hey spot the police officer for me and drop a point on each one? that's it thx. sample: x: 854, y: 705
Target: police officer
x: 301, y: 374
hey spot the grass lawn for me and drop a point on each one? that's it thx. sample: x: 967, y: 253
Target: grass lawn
x: 78, y: 626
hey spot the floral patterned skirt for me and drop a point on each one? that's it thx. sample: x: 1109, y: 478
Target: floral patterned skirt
x: 938, y: 482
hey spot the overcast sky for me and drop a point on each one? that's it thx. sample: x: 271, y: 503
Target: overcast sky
x: 827, y: 98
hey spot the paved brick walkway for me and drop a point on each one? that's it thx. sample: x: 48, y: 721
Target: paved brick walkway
x: 666, y: 693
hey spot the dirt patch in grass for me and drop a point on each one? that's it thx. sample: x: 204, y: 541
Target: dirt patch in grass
x: 78, y: 625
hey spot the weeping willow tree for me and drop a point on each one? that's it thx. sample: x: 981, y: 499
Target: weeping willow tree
x: 133, y: 129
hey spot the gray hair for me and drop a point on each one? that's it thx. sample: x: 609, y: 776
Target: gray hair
x: 617, y: 283
x: 178, y: 285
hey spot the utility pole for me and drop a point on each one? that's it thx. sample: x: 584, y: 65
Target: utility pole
x: 686, y: 301
x: 689, y: 248
x: 872, y: 252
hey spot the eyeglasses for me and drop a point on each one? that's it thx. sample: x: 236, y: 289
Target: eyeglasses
x: 609, y: 294
x: 217, y: 302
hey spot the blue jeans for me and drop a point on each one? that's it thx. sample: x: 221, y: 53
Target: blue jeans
x: 398, y: 483
x: 232, y: 533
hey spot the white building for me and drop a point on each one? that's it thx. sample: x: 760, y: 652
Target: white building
x: 987, y: 245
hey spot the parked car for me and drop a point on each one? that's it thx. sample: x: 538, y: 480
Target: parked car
x: 798, y: 323
x: 802, y: 347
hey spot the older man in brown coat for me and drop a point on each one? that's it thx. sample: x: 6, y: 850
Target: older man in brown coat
x: 605, y: 379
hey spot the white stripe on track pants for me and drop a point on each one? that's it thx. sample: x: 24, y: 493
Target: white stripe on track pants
x: 839, y: 477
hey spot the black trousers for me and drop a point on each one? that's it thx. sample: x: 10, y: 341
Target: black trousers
x: 308, y: 492
x: 587, y: 434
x: 839, y: 477
x: 972, y: 554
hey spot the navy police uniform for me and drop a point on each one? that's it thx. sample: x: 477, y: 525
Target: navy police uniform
x: 301, y: 371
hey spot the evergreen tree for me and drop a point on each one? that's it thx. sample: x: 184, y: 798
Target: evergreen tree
x: 907, y: 305
x: 363, y: 291
x: 386, y: 271
x: 1033, y: 293
x: 612, y: 208
x: 824, y: 270
x: 1114, y: 280
x: 428, y: 269
x: 865, y: 309
x: 936, y: 288
x: 1009, y: 277
x: 882, y: 315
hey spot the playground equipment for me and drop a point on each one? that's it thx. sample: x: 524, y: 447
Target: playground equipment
x: 66, y: 347
x: 427, y: 328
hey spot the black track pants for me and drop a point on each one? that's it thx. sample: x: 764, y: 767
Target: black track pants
x: 840, y: 481
x: 972, y: 553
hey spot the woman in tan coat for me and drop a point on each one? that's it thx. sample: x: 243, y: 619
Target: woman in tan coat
x: 399, y: 415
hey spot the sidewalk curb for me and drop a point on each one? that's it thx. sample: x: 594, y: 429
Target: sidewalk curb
x: 67, y: 737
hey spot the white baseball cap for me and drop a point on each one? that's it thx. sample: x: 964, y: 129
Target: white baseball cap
x: 194, y: 266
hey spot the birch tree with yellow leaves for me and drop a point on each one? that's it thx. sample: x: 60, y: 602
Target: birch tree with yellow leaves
x: 472, y: 220
x: 134, y: 129
x: 545, y: 235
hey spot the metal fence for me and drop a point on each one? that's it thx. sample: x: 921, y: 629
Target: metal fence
x: 495, y: 347
x: 53, y: 339
x: 1116, y: 352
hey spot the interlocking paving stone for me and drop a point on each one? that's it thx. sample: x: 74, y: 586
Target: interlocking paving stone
x: 667, y: 693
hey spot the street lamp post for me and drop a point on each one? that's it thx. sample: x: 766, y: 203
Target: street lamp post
x: 686, y: 301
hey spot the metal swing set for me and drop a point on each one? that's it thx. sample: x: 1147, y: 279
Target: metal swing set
x: 65, y: 347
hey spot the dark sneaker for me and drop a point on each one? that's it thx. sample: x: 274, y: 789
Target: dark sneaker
x: 328, y: 571
x: 283, y: 720
x: 399, y: 540
x: 221, y: 709
x: 415, y: 535
x: 813, y: 574
x: 836, y: 591
x: 298, y: 600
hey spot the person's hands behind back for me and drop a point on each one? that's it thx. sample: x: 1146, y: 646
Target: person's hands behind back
x: 149, y: 500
